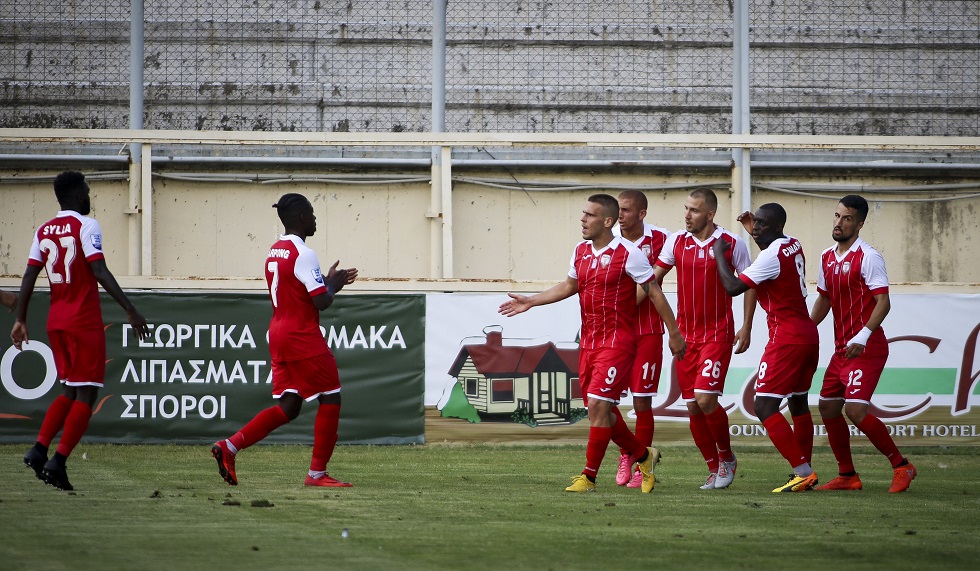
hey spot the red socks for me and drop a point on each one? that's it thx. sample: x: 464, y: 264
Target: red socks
x: 803, y: 431
x: 596, y: 449
x: 718, y: 424
x: 705, y: 441
x: 259, y: 427
x: 324, y: 435
x: 839, y: 437
x: 54, y: 419
x: 782, y: 436
x: 644, y: 427
x: 75, y: 425
x: 878, y: 435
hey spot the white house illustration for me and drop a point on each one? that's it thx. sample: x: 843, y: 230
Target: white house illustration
x: 541, y: 380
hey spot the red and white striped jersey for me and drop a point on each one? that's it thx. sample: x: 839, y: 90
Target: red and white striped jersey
x: 850, y: 282
x: 778, y: 276
x: 607, y: 292
x: 652, y: 242
x: 64, y: 246
x: 292, y: 272
x: 704, y: 308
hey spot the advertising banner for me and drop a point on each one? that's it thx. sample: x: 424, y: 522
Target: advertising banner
x: 205, y: 371
x: 928, y: 393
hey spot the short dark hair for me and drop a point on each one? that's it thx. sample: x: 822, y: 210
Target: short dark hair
x: 636, y: 196
x: 707, y: 195
x: 67, y: 184
x: 290, y: 207
x: 855, y: 202
x: 610, y: 206
x: 777, y: 211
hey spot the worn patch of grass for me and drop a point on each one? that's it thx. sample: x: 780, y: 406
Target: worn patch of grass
x: 477, y: 507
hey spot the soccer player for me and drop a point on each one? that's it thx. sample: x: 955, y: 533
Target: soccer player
x: 704, y: 314
x: 853, y: 284
x: 645, y: 374
x: 303, y: 368
x: 69, y: 248
x: 604, y: 270
x: 790, y: 357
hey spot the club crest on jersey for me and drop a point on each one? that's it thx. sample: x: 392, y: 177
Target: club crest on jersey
x: 846, y: 267
x: 711, y: 253
x: 97, y: 241
x: 317, y: 276
x: 645, y: 248
x: 604, y: 260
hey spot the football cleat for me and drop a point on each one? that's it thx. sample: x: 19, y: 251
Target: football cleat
x: 798, y: 484
x: 35, y: 460
x: 646, y: 469
x: 636, y: 481
x: 726, y: 473
x: 226, y: 462
x: 902, y: 478
x: 56, y: 475
x: 625, y: 470
x: 709, y: 483
x: 581, y: 483
x: 842, y: 483
x: 326, y: 481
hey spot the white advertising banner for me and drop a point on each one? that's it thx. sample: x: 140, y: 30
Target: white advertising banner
x: 928, y: 392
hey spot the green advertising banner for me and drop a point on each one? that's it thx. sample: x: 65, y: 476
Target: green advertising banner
x: 206, y: 370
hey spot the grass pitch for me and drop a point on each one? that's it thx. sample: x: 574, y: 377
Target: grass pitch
x: 478, y: 507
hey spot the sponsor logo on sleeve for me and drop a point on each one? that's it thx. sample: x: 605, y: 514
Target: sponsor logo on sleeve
x: 317, y: 276
x: 97, y: 241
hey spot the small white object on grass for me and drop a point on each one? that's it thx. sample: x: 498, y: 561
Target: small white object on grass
x: 344, y: 533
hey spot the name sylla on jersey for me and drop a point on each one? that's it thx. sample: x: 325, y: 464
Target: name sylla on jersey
x: 56, y: 230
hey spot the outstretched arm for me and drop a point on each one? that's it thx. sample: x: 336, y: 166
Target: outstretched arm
x: 729, y: 281
x: 520, y: 303
x: 676, y: 342
x: 109, y: 284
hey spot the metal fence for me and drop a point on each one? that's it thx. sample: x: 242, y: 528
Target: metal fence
x: 821, y: 67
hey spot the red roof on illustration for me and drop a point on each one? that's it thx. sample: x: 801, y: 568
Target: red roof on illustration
x: 494, y: 359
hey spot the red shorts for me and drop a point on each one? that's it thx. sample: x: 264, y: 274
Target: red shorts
x: 604, y: 372
x: 646, y: 365
x: 79, y: 356
x: 853, y: 380
x: 703, y: 369
x: 786, y: 370
x: 309, y: 378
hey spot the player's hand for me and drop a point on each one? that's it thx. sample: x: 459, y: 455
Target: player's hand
x: 351, y: 275
x: 138, y: 322
x: 677, y: 344
x: 853, y: 350
x: 337, y: 279
x: 742, y: 340
x: 747, y: 219
x: 19, y: 334
x: 516, y: 304
x: 720, y: 247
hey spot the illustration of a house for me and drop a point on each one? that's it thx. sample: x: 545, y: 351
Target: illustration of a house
x: 540, y: 380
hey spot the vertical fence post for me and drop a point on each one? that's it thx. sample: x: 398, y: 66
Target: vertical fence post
x: 146, y: 218
x: 441, y: 242
x: 741, y: 122
x: 135, y: 122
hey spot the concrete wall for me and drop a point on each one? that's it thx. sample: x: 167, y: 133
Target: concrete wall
x: 223, y: 230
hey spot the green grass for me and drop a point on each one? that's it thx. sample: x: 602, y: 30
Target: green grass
x: 478, y: 507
